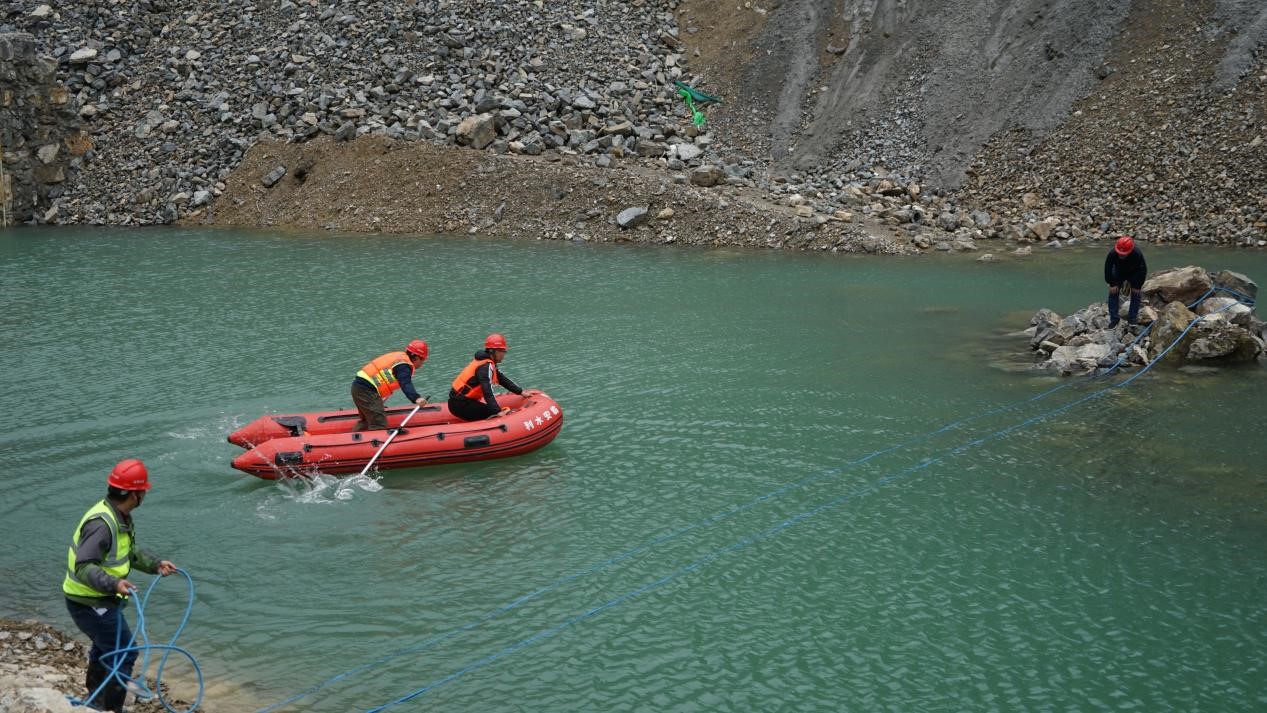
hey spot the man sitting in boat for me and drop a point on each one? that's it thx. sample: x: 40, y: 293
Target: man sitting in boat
x: 382, y: 376
x: 471, y: 397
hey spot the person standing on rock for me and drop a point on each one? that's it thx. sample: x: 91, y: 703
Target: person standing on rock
x: 471, y: 396
x: 102, y: 554
x: 380, y: 378
x: 1124, y: 265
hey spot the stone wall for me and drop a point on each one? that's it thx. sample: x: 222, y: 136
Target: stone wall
x: 39, y: 130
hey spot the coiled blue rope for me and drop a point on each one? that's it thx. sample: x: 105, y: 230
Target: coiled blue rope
x: 140, y: 641
x: 734, y: 510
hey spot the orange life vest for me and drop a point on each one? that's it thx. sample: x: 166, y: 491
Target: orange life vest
x: 468, y: 385
x: 379, y: 372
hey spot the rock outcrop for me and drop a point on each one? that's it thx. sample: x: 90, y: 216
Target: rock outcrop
x: 1226, y: 330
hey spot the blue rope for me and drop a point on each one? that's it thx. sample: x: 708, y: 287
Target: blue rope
x: 119, y: 654
x: 796, y: 519
x: 722, y: 515
x: 649, y: 544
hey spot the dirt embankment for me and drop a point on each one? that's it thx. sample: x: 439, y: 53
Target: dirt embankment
x: 383, y: 185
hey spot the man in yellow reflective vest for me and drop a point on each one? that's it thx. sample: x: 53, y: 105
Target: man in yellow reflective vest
x: 471, y: 395
x: 102, y: 554
x: 383, y: 376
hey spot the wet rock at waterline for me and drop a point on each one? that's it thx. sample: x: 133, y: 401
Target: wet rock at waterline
x: 1226, y: 329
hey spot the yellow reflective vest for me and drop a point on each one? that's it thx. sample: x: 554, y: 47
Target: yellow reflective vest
x: 117, y: 562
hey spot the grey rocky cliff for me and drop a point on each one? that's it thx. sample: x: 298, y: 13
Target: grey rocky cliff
x: 43, y: 146
x: 1023, y: 121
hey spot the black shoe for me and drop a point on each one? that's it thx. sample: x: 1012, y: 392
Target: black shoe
x: 96, y: 674
x: 113, y: 697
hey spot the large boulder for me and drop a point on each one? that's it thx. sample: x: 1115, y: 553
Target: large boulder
x: 707, y: 175
x: 1236, y: 281
x: 1091, y: 317
x: 632, y: 217
x: 1178, y: 284
x: 477, y: 131
x: 685, y: 152
x: 1222, y: 341
x: 1173, y: 319
x: 1226, y: 309
x: 1044, y: 325
x: 1070, y: 326
x: 1071, y: 360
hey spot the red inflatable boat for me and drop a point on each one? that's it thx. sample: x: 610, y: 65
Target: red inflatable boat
x: 298, y: 444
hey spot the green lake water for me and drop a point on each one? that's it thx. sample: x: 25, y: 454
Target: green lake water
x: 701, y: 536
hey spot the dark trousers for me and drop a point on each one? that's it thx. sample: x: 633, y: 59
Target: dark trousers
x: 469, y: 409
x: 369, y: 405
x: 108, y: 631
x: 1115, y: 303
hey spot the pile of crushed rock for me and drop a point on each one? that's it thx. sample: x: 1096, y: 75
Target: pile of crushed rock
x: 174, y: 94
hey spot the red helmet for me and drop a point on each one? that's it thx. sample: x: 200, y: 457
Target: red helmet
x: 495, y: 341
x: 1124, y: 245
x: 129, y: 474
x: 418, y: 348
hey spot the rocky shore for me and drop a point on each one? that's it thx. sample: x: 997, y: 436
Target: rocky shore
x: 179, y: 104
x: 40, y: 667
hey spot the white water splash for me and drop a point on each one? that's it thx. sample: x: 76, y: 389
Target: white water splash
x: 347, y: 487
x: 215, y: 430
x: 321, y: 488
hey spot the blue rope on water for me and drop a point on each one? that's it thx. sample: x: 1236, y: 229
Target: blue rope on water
x: 772, y: 531
x: 734, y: 510
x: 645, y: 546
x: 144, y: 646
